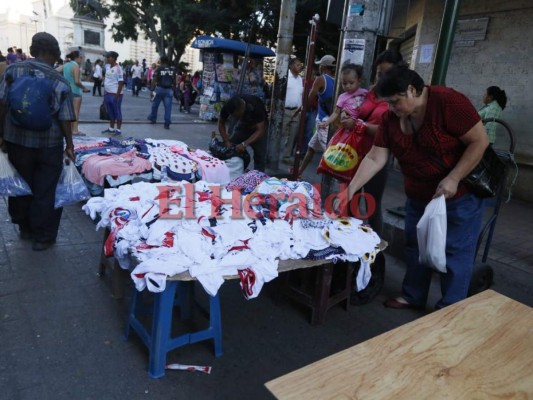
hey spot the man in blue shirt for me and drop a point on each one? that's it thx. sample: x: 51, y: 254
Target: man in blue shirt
x: 38, y: 155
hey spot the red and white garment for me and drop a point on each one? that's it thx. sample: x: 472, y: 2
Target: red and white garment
x: 212, y: 169
x: 162, y: 156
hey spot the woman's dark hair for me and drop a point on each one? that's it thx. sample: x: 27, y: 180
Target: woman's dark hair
x: 352, y: 67
x: 396, y: 80
x: 390, y: 56
x: 498, y: 94
x: 73, y: 55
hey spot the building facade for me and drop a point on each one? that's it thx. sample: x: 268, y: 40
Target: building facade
x: 492, y: 45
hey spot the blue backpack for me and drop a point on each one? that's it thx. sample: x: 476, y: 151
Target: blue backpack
x: 30, y: 100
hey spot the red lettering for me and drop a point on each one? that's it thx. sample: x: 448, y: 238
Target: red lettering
x: 317, y: 201
x: 253, y: 199
x: 370, y: 205
x: 298, y: 210
x: 165, y: 200
x: 217, y: 201
x: 274, y: 199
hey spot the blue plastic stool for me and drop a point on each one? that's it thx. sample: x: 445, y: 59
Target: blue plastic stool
x: 159, y: 341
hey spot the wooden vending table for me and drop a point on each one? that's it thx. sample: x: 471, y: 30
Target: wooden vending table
x: 481, y: 347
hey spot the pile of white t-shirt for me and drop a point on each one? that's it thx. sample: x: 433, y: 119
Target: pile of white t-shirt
x: 162, y: 230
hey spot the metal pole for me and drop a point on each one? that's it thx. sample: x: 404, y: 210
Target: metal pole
x: 444, y: 46
x: 284, y: 49
x: 246, y: 57
x: 308, y: 76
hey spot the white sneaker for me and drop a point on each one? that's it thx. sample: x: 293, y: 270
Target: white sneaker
x: 109, y: 131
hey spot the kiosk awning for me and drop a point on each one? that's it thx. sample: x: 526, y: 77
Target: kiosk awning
x: 208, y: 42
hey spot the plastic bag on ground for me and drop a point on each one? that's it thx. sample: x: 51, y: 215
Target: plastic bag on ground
x: 71, y: 188
x: 431, y: 233
x: 11, y: 183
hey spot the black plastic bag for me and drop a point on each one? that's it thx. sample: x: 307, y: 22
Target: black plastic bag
x: 219, y: 150
x: 104, y: 116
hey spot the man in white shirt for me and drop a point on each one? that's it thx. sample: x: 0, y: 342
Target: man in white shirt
x: 293, y: 106
x: 113, y: 84
x: 136, y: 75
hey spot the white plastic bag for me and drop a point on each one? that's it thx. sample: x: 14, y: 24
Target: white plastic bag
x: 431, y: 234
x: 11, y: 183
x: 71, y: 188
x: 236, y: 167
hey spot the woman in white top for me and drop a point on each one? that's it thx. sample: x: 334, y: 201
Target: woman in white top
x: 97, y: 78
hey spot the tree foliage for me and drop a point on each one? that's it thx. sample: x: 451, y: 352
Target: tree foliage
x: 172, y: 24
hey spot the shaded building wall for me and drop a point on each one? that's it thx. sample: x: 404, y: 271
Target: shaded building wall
x: 502, y: 59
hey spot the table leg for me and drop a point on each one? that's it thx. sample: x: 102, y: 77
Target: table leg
x: 161, y: 329
x: 322, y: 293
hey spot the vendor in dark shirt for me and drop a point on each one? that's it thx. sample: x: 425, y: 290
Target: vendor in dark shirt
x: 250, y: 114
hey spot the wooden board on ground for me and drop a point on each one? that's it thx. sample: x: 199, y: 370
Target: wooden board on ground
x: 481, y: 347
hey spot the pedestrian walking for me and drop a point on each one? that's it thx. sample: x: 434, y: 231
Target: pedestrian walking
x: 163, y: 85
x: 136, y: 75
x: 97, y: 78
x: 38, y: 155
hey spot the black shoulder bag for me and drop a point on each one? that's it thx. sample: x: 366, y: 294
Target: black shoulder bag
x: 486, y: 178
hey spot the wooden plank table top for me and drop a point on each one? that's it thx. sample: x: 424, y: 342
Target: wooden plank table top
x: 479, y: 348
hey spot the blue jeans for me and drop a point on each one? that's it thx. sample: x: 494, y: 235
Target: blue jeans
x: 165, y: 95
x: 464, y: 217
x: 113, y: 106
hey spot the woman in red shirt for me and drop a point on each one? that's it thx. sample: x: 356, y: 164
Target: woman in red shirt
x: 426, y: 129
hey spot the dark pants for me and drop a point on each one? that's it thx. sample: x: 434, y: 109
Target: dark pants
x: 242, y: 133
x: 41, y: 168
x: 97, y: 85
x: 375, y: 187
x: 464, y: 216
x: 137, y: 84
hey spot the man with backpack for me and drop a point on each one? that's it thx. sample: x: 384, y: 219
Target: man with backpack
x: 36, y: 112
x: 163, y: 85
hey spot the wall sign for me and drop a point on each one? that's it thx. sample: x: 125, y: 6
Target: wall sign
x: 353, y: 51
x: 426, y: 53
x: 465, y: 43
x: 471, y: 29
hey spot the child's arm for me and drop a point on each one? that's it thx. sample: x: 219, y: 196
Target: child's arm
x: 331, y: 118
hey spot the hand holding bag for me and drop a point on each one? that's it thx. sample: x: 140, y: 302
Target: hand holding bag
x: 344, y: 153
x: 431, y: 234
x: 70, y: 189
x: 11, y: 183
